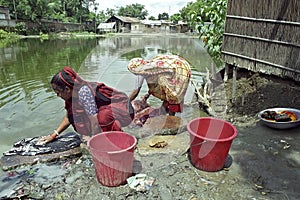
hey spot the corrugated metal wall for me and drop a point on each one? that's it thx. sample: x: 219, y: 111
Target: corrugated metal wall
x: 263, y: 36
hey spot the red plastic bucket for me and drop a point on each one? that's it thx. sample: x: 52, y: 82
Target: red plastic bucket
x: 210, y: 141
x: 113, y: 155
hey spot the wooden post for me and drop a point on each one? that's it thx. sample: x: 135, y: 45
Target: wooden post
x: 226, y: 74
x: 234, y: 76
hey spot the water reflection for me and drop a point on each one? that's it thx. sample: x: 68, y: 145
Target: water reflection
x: 29, y: 108
x: 189, y: 48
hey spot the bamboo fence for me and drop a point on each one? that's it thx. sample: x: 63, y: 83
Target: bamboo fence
x: 263, y: 36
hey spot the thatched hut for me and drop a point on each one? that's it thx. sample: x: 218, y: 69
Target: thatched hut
x: 263, y: 36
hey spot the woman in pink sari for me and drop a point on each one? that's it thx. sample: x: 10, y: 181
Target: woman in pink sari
x: 91, y: 107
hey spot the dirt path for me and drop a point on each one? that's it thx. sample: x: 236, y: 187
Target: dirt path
x: 265, y: 166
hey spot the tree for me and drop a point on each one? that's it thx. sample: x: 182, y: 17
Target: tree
x: 176, y: 18
x: 163, y: 16
x: 110, y: 12
x: 185, y: 12
x: 134, y: 10
x: 35, y: 10
x: 213, y: 11
x: 101, y: 17
x: 30, y: 10
x: 151, y: 18
x: 77, y: 10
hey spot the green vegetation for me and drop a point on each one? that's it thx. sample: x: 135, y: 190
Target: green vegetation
x: 134, y: 10
x: 163, y: 16
x: 176, y: 18
x: 61, y: 10
x: 44, y: 36
x: 7, y: 38
x: 208, y: 16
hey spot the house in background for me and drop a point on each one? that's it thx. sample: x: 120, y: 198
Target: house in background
x: 166, y: 26
x: 180, y: 27
x: 157, y: 26
x: 5, y: 20
x: 151, y: 26
x: 120, y: 24
x: 126, y: 24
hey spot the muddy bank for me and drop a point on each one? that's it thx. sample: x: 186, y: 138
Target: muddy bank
x: 266, y: 162
x: 255, y: 92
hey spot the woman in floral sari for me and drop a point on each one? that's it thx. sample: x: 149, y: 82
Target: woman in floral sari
x: 167, y: 77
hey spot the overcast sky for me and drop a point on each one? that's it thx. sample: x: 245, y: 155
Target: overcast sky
x: 154, y: 7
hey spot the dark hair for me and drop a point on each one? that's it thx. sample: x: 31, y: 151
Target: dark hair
x: 66, y: 77
x: 56, y: 80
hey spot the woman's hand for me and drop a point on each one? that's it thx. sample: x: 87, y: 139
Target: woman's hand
x: 145, y: 98
x: 62, y: 126
x: 45, y: 139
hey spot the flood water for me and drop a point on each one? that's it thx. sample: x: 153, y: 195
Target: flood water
x: 29, y: 108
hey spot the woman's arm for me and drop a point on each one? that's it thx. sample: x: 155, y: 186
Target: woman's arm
x: 64, y: 124
x: 134, y: 94
x: 138, y: 85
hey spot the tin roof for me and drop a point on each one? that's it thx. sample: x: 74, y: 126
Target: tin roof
x: 106, y: 25
x: 127, y: 19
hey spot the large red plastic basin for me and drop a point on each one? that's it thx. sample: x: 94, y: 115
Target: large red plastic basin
x: 210, y: 141
x: 113, y: 155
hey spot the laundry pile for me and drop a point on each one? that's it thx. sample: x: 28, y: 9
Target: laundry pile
x: 31, y: 146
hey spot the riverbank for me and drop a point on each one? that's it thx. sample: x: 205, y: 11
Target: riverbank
x: 265, y: 161
x: 64, y: 35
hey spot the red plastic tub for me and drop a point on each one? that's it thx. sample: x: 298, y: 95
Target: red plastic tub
x: 113, y: 155
x: 210, y: 141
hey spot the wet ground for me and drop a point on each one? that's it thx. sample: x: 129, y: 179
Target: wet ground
x: 266, y: 162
